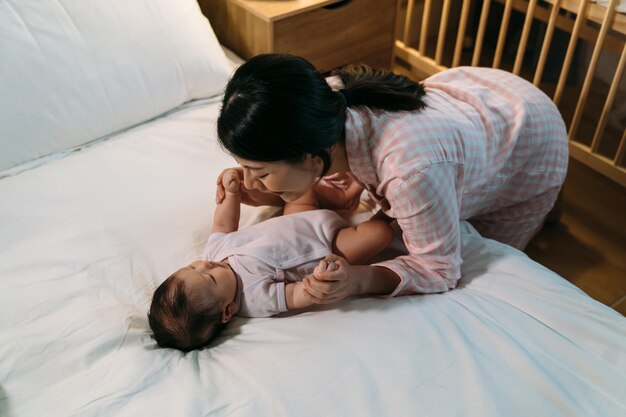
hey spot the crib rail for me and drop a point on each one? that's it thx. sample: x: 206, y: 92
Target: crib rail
x: 574, y: 50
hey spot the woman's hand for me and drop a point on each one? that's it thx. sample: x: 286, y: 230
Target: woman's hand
x: 335, y: 279
x: 249, y: 197
x: 332, y: 280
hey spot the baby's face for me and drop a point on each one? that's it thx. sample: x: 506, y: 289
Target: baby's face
x: 210, y: 280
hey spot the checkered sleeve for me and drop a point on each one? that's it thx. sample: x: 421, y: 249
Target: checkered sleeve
x: 426, y: 206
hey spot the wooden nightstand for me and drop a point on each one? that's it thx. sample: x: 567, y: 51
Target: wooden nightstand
x: 329, y: 33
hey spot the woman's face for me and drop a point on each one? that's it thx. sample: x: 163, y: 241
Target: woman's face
x: 288, y: 181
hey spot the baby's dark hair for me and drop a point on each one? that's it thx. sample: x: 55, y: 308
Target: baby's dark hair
x: 181, y: 324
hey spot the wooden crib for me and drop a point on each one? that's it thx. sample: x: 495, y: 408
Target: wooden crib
x: 574, y: 50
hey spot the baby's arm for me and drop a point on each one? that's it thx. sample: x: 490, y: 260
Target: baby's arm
x: 297, y: 297
x: 226, y: 218
x: 359, y: 244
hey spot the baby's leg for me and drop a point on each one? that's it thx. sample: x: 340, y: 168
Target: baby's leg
x: 359, y: 244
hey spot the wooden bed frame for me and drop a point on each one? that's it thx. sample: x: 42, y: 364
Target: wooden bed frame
x: 556, y: 44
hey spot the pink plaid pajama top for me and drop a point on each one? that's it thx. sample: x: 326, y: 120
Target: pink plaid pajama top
x: 489, y: 148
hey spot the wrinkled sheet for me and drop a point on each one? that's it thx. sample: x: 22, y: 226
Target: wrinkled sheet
x: 86, y: 238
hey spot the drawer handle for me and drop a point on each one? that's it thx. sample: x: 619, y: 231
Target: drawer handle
x: 337, y: 5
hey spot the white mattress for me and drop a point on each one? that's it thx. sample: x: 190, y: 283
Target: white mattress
x: 85, y: 239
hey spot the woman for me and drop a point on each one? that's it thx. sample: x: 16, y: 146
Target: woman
x: 471, y: 144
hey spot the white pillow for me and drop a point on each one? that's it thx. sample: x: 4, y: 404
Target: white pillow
x: 72, y: 71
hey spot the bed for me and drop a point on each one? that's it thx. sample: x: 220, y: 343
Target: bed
x: 102, y: 196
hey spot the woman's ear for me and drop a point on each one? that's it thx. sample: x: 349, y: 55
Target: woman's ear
x: 229, y: 312
x: 314, y: 163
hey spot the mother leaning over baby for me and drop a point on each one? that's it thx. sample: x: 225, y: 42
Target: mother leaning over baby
x: 471, y: 144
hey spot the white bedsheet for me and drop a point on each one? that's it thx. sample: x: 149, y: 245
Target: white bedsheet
x: 85, y: 239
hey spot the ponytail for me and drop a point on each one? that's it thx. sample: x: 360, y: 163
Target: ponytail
x: 379, y: 89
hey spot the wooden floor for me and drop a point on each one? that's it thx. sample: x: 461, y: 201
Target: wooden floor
x: 588, y: 244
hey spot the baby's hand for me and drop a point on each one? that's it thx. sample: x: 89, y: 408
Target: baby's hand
x: 325, y: 266
x: 333, y: 280
x: 231, y: 181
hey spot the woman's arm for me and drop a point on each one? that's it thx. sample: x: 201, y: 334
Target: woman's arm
x: 334, y: 279
x: 374, y: 280
x: 339, y: 280
x: 426, y: 207
x: 427, y: 212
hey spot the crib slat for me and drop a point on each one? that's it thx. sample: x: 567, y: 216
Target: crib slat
x: 569, y: 55
x: 408, y: 22
x: 443, y: 27
x: 458, y: 49
x: 597, y: 50
x: 425, y: 22
x: 521, y: 50
x: 423, y: 65
x: 619, y: 156
x: 547, y: 41
x: 484, y: 14
x: 619, y: 72
x: 502, y: 37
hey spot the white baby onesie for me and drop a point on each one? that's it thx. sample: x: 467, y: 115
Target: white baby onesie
x: 268, y: 255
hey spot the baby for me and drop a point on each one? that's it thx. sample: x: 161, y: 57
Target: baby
x: 258, y: 271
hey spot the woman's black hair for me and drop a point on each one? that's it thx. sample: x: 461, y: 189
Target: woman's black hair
x: 278, y: 107
x: 379, y: 89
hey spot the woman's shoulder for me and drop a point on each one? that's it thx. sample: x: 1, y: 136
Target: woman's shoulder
x: 399, y: 143
x: 408, y: 129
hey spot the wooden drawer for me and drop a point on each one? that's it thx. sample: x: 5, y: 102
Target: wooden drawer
x: 350, y: 31
x: 329, y: 33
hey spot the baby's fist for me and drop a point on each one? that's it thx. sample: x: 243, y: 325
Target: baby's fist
x: 231, y: 181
